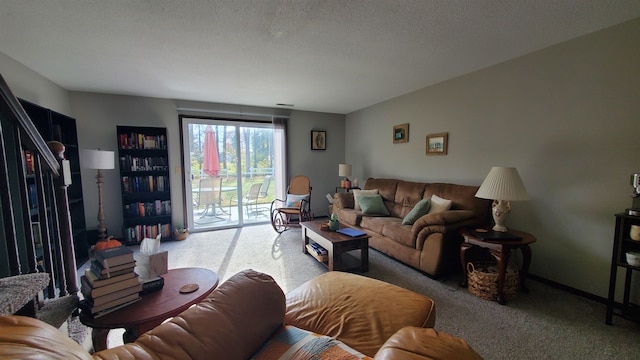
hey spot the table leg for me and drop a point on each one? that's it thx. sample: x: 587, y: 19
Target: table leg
x: 364, y: 255
x: 526, y: 261
x: 99, y: 339
x: 305, y: 240
x: 130, y: 335
x: 502, y: 258
x: 335, y: 258
x: 463, y: 261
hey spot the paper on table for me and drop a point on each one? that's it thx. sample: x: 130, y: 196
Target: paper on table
x: 149, y: 245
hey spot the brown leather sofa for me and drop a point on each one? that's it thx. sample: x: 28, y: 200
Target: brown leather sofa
x: 243, y: 313
x: 432, y: 243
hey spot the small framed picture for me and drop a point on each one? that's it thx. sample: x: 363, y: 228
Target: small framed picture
x: 437, y: 144
x: 318, y: 140
x: 401, y: 133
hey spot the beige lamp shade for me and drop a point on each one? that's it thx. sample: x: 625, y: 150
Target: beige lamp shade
x: 344, y: 170
x: 503, y: 183
x: 98, y: 159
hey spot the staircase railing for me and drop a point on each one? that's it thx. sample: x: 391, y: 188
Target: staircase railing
x: 45, y: 244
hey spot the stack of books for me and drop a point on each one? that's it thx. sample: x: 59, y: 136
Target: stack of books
x: 111, y: 282
x: 317, y: 251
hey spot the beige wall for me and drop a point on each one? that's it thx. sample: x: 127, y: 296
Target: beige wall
x: 567, y: 117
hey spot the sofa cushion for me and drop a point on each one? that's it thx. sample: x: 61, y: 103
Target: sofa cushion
x: 439, y: 204
x: 357, y: 193
x: 350, y: 217
x: 291, y: 342
x: 376, y: 223
x: 399, y: 233
x: 372, y: 205
x: 421, y: 208
x: 359, y: 311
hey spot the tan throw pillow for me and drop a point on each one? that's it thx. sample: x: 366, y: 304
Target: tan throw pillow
x: 357, y: 193
x: 439, y: 204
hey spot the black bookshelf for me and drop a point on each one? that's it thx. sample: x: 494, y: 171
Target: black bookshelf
x: 59, y: 127
x: 143, y: 159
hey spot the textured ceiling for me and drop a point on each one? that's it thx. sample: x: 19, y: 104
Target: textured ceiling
x: 320, y: 55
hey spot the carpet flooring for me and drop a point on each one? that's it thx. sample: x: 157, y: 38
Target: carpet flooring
x: 547, y: 323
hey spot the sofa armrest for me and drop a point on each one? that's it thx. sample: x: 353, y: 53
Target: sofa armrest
x: 444, y: 222
x: 343, y: 200
x: 28, y: 338
x: 412, y: 343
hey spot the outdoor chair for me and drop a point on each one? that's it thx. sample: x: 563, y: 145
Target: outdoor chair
x: 264, y: 189
x: 209, y: 196
x: 296, y: 208
x: 249, y: 200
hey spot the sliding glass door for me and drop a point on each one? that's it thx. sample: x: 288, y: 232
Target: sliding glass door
x: 229, y: 172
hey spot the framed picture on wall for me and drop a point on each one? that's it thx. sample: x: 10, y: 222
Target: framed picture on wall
x: 437, y: 144
x: 401, y: 133
x: 318, y: 140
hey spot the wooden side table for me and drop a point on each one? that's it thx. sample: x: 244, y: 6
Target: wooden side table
x: 154, y: 307
x: 500, y: 250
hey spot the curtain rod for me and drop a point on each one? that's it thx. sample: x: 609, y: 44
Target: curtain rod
x: 229, y: 112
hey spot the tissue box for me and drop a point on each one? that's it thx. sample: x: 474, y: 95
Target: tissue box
x: 149, y: 266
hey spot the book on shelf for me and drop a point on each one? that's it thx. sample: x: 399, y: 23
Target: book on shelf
x: 136, y: 289
x: 318, y: 249
x: 101, y: 310
x: 103, y: 273
x: 114, y: 256
x: 96, y: 281
x: 107, y: 289
x: 151, y: 285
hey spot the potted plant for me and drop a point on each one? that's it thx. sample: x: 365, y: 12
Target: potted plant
x: 180, y: 232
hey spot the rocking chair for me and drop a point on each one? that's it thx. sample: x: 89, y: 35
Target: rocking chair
x: 296, y: 208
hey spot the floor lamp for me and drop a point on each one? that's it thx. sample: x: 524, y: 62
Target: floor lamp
x: 100, y: 160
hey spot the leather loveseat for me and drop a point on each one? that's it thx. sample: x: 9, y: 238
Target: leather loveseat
x: 432, y: 243
x: 246, y: 314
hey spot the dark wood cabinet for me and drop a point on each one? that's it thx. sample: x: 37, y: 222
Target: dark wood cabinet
x: 143, y: 159
x: 55, y: 126
x: 622, y: 243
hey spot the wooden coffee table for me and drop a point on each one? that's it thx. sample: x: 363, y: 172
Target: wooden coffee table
x: 336, y: 245
x: 154, y: 308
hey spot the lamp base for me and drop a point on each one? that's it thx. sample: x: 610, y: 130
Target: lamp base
x: 500, y: 210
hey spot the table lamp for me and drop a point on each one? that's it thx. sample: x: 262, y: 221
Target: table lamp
x: 344, y: 170
x: 100, y: 160
x: 502, y: 184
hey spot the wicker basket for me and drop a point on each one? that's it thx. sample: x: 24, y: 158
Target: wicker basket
x: 483, y: 281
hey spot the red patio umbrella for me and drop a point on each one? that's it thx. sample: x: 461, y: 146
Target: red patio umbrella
x: 211, y: 161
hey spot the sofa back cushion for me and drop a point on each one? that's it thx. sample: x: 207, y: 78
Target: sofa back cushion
x: 401, y: 196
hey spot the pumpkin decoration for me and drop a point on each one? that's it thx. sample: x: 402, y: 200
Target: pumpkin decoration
x: 106, y: 244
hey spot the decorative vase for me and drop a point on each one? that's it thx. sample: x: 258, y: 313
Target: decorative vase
x: 355, y: 183
x: 334, y: 225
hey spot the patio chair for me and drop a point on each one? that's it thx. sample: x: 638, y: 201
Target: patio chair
x: 296, y: 208
x: 249, y: 200
x: 264, y: 189
x: 209, y: 196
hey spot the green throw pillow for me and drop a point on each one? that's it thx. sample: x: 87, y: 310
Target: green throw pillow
x: 372, y: 205
x: 421, y: 208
